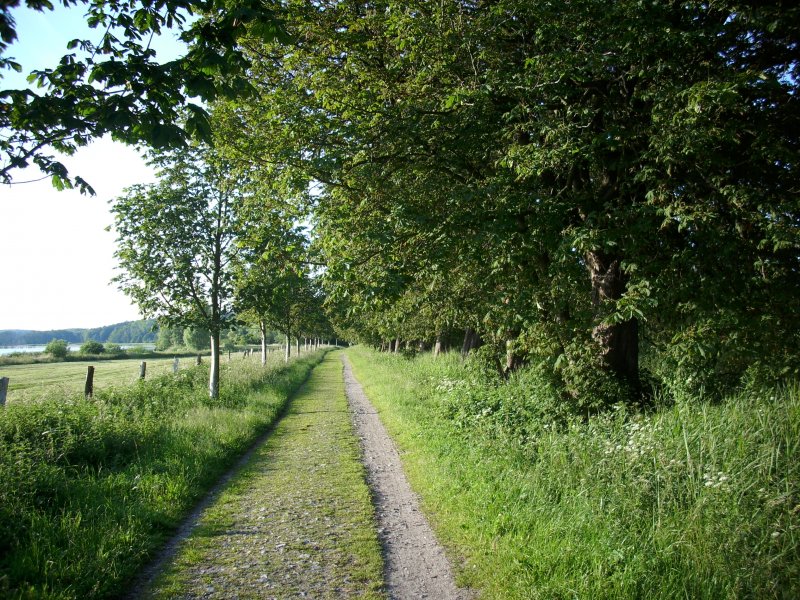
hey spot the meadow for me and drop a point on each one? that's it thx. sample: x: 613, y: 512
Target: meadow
x: 92, y: 488
x: 688, y: 499
x: 39, y: 380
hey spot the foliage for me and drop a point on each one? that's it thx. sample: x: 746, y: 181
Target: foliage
x: 115, y: 349
x: 92, y: 347
x: 91, y: 489
x: 586, y: 176
x: 176, y: 242
x: 57, y: 348
x: 116, y: 84
x: 694, y: 499
x: 196, y: 338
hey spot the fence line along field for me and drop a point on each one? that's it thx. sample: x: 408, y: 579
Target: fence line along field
x: 34, y: 380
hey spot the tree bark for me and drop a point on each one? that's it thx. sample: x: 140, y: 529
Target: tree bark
x: 397, y: 345
x: 213, y: 374
x: 262, y: 326
x: 471, y: 341
x: 619, y: 343
x: 437, y: 347
x: 288, y: 345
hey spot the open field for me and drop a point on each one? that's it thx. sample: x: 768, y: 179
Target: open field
x: 35, y: 380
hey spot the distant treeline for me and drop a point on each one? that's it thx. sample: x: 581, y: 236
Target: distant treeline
x: 129, y: 332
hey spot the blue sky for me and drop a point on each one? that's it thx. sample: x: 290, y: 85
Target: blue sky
x: 56, y: 259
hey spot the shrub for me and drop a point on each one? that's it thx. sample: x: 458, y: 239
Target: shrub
x: 92, y: 347
x: 57, y: 348
x: 114, y: 349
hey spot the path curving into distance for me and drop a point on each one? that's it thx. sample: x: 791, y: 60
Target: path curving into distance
x: 415, y: 564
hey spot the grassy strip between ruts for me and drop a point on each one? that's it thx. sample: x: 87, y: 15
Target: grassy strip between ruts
x: 297, y: 521
x: 689, y: 501
x: 90, y: 489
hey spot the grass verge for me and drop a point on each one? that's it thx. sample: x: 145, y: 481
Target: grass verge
x: 297, y: 521
x: 690, y: 501
x: 92, y: 488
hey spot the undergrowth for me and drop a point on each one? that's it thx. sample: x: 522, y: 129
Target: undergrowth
x: 91, y: 488
x: 689, y: 499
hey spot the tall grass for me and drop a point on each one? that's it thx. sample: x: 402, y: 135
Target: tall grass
x: 692, y: 500
x: 91, y: 488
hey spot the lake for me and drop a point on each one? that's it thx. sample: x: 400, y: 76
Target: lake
x: 6, y: 350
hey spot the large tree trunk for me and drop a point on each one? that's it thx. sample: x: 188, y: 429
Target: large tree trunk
x: 619, y: 343
x: 213, y: 376
x: 513, y: 360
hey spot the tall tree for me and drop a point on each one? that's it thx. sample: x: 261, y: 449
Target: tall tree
x: 592, y: 169
x: 176, y: 245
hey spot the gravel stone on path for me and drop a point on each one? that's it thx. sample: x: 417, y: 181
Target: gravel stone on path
x: 415, y: 564
x: 297, y: 522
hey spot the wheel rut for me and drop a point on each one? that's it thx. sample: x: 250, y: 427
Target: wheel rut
x: 297, y: 520
x: 415, y: 564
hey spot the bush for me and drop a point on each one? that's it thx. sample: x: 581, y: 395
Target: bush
x: 92, y: 347
x: 57, y: 348
x: 114, y: 349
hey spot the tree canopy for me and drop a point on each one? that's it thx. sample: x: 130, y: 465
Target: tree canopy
x: 606, y: 189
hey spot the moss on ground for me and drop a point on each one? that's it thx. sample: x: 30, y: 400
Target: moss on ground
x: 297, y: 521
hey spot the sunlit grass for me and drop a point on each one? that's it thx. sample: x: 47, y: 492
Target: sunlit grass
x: 690, y: 501
x: 92, y: 487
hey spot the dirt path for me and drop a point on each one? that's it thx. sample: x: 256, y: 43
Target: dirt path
x: 296, y: 522
x: 415, y: 563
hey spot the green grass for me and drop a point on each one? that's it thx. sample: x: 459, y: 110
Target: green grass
x: 297, y: 520
x: 37, y: 380
x: 689, y: 501
x: 69, y: 377
x: 90, y: 489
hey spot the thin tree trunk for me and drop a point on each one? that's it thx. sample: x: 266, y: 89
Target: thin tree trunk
x: 298, y: 346
x: 619, y: 343
x: 288, y: 345
x: 471, y: 341
x: 213, y: 376
x: 263, y: 327
x: 397, y: 345
x: 437, y: 347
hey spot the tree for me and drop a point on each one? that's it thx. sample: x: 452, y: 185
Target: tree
x: 92, y: 347
x: 57, y: 348
x: 576, y: 173
x: 176, y: 243
x: 117, y: 85
x: 196, y: 338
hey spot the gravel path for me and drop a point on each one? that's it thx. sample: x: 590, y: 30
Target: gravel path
x: 415, y: 563
x: 296, y: 522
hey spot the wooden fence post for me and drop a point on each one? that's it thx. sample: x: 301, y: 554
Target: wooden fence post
x: 88, y: 389
x: 3, y: 390
x: 175, y: 365
x: 142, y: 369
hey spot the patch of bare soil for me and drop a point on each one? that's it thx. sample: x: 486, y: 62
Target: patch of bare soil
x: 415, y: 564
